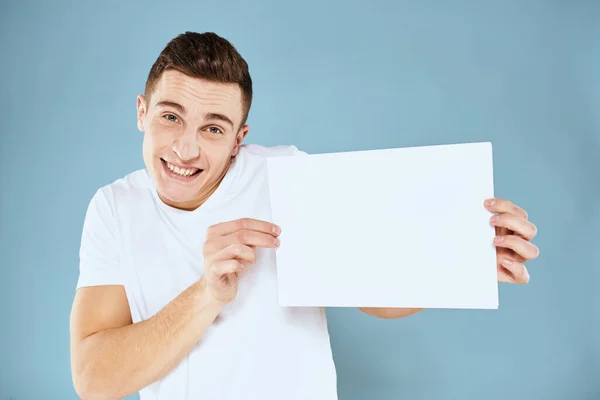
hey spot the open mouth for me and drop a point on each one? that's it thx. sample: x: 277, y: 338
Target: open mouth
x: 181, y: 173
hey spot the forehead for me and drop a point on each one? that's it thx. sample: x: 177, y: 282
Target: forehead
x: 198, y: 96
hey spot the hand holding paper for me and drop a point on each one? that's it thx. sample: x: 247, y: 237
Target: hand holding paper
x: 514, y: 234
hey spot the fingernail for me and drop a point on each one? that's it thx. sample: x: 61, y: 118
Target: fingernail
x: 507, y: 262
x: 276, y: 230
x: 277, y: 242
x: 489, y: 202
x: 494, y: 219
x: 498, y: 239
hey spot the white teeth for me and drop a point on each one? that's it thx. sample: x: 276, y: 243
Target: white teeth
x: 181, y: 171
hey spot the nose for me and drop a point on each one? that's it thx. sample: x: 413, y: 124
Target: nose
x: 187, y: 147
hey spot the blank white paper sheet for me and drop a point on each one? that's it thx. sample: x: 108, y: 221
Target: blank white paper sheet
x: 400, y: 227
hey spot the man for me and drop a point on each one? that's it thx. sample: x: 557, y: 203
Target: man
x: 176, y: 296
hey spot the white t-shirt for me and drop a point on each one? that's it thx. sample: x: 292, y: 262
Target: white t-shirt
x: 257, y: 350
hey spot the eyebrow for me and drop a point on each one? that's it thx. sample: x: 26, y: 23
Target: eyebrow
x: 220, y: 117
x: 171, y: 104
x: 181, y: 109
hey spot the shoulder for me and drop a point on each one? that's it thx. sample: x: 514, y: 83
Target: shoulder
x: 126, y: 187
x: 271, y: 151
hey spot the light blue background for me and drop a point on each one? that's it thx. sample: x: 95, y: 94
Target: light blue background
x: 330, y: 76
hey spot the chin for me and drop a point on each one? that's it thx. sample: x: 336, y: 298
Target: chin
x: 178, y: 190
x: 176, y: 197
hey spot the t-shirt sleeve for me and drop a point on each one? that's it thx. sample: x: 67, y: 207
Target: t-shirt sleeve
x: 275, y: 151
x: 296, y: 152
x: 99, y: 250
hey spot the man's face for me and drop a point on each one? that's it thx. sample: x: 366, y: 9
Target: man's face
x: 191, y: 132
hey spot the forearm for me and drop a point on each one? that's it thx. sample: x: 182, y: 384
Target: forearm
x: 118, y: 362
x: 390, y: 313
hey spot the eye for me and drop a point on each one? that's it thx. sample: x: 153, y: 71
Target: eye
x: 170, y: 117
x: 215, y: 130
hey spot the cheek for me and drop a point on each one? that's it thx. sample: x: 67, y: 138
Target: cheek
x: 147, y: 150
x: 153, y: 145
x: 217, y: 153
x: 156, y: 139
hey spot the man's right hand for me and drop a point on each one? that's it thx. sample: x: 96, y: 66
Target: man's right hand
x: 230, y: 247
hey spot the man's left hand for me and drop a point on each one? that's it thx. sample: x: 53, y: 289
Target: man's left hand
x: 514, y: 233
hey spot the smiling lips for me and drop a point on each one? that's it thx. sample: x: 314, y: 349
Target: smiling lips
x: 185, y: 172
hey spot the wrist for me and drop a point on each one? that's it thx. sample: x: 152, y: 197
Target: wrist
x: 204, y: 301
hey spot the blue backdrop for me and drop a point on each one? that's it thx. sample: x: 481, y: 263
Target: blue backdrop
x: 329, y: 76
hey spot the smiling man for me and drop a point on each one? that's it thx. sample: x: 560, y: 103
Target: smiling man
x: 177, y: 295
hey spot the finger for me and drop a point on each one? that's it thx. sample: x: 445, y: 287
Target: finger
x: 225, y: 267
x: 245, y: 237
x: 515, y: 223
x: 522, y: 247
x: 227, y: 228
x: 517, y: 272
x: 504, y: 206
x: 236, y: 251
x: 244, y: 269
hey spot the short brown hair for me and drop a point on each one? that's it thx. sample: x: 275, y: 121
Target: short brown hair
x: 206, y: 56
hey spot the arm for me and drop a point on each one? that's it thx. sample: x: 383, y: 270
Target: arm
x: 390, y: 313
x: 112, y: 357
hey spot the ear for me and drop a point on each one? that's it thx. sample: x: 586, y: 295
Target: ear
x: 239, y: 139
x: 141, y: 112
